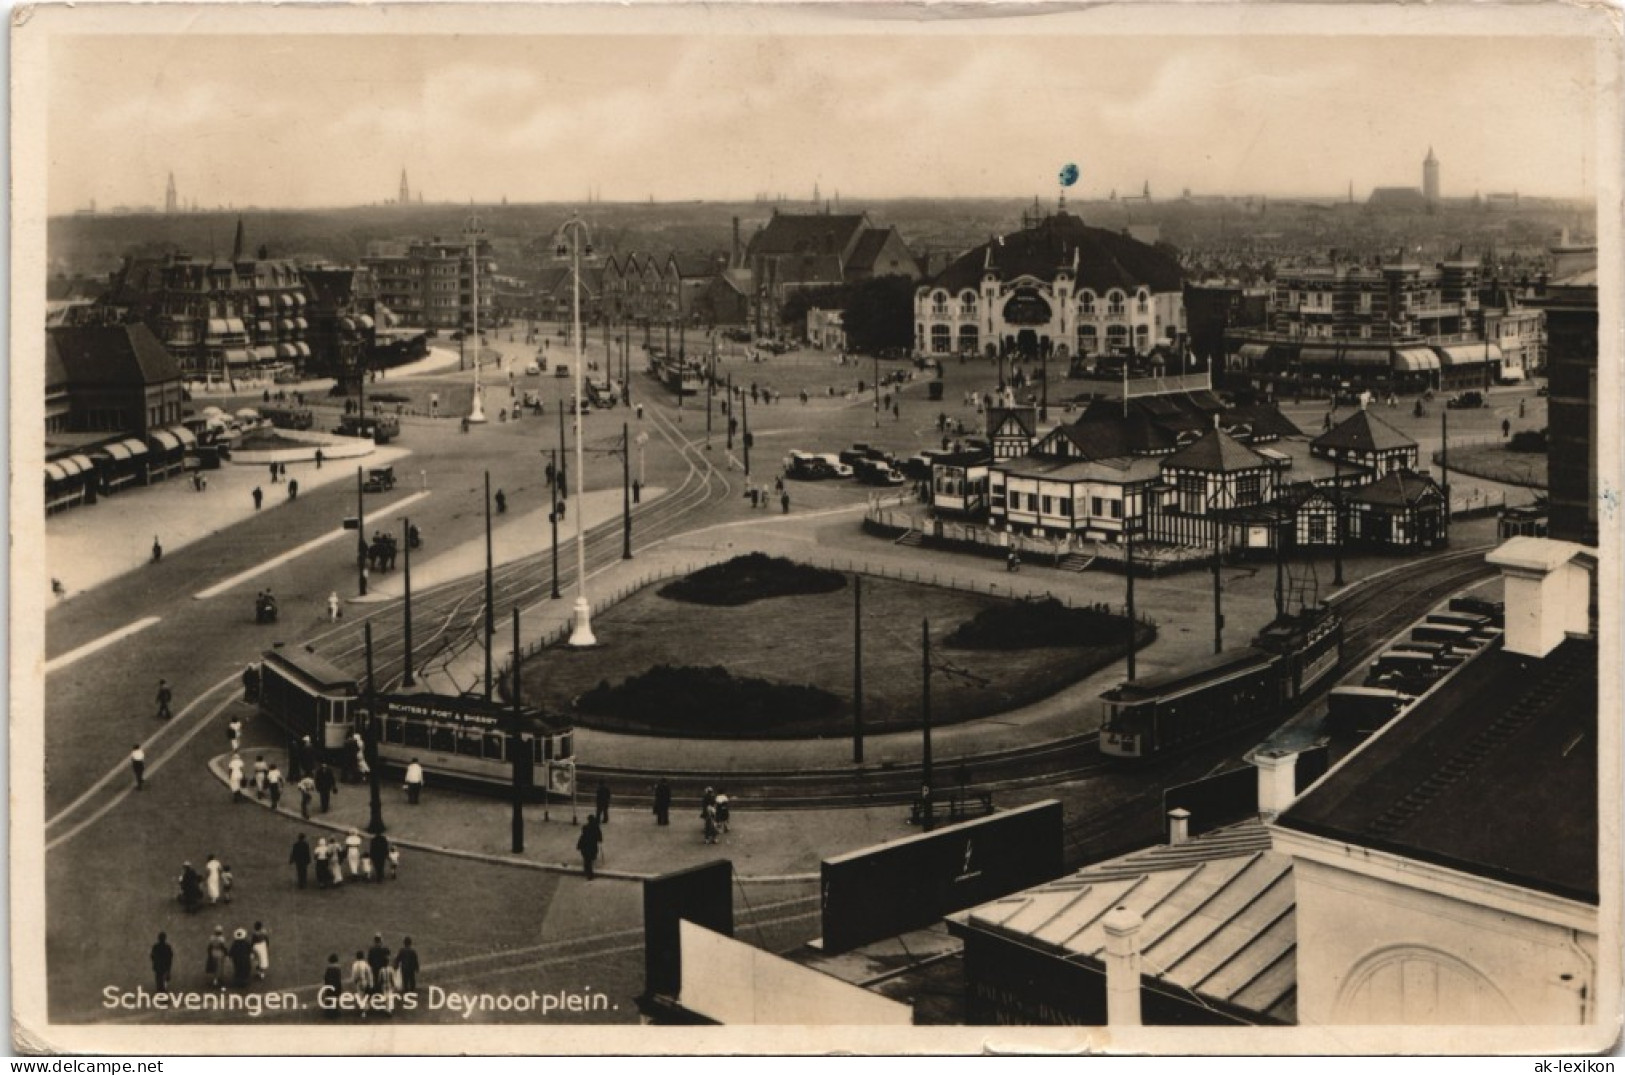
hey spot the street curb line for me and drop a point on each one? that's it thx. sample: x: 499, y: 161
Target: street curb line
x: 217, y: 770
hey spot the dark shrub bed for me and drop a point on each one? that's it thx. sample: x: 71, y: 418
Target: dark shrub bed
x: 753, y: 577
x: 1031, y: 624
x: 709, y: 701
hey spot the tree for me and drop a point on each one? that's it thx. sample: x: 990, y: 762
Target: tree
x: 879, y: 315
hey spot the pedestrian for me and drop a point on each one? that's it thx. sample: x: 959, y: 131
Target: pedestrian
x: 502, y: 502
x: 588, y: 843
x: 273, y: 473
x: 138, y: 762
x: 414, y: 781
x: 332, y: 986
x: 319, y: 458
x: 163, y: 961
x: 241, y: 955
x: 215, y: 955
x: 326, y: 785
x: 784, y: 500
x: 225, y: 883
x: 165, y: 696
x: 394, y: 862
x: 293, y: 489
x: 299, y: 858
x: 234, y: 732
x: 157, y: 549
x: 406, y: 963
x: 273, y: 786
x: 1520, y: 407
x: 601, y: 798
x: 708, y: 818
x: 307, y: 790
x: 361, y: 981
x: 191, y: 888
x: 722, y: 810
x: 234, y: 777
x: 1506, y: 427
x: 380, y: 856
x: 260, y: 771
x: 352, y: 852
x: 306, y: 754
x: 663, y: 802
x: 260, y: 944
x: 333, y: 606
x: 322, y: 856
x: 378, y: 958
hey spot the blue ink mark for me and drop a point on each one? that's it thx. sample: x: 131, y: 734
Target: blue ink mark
x: 1610, y: 502
x: 1069, y: 174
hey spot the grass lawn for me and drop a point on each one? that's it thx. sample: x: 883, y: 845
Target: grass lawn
x: 807, y: 640
x: 1496, y: 462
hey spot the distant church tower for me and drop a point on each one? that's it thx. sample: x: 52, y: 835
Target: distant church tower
x: 1430, y: 178
x: 171, y: 202
x: 406, y: 192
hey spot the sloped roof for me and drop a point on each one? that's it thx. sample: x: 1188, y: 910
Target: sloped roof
x: 1217, y: 451
x: 1363, y: 431
x: 869, y: 245
x: 699, y: 264
x: 1219, y: 911
x: 113, y: 354
x: 806, y: 233
x: 1493, y: 773
x: 808, y: 269
x: 1266, y: 419
x: 999, y: 418
x: 1106, y: 259
x: 1397, y: 489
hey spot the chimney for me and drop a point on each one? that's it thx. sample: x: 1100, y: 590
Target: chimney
x: 1179, y: 826
x: 737, y: 259
x: 1122, y: 928
x: 1277, y: 781
x: 1547, y: 587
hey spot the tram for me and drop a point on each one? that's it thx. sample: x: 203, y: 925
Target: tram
x: 465, y: 741
x: 1211, y: 698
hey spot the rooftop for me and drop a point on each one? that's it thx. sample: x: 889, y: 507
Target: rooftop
x: 1219, y: 911
x: 1363, y: 431
x: 1217, y: 451
x: 1494, y: 774
x: 1105, y: 259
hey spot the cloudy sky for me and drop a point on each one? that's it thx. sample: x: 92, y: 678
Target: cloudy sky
x: 274, y: 119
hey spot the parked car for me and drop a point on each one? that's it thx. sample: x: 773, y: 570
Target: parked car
x: 533, y: 370
x: 878, y: 472
x: 1465, y: 401
x: 561, y: 370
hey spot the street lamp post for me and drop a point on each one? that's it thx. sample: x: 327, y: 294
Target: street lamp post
x: 474, y: 232
x: 369, y: 745
x: 360, y: 532
x: 407, y: 679
x: 626, y: 491
x: 581, y: 633
x: 553, y: 519
x: 490, y: 590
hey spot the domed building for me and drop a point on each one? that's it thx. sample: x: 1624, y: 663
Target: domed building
x: 1057, y: 287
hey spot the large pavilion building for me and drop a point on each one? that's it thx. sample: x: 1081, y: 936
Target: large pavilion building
x: 1057, y: 287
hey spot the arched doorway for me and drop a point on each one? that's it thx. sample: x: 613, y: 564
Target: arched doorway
x: 1027, y: 343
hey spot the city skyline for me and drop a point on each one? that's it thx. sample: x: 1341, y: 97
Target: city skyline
x: 546, y: 118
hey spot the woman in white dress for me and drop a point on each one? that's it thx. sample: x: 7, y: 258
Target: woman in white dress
x: 261, y: 938
x: 352, y: 853
x: 234, y: 776
x: 213, y: 873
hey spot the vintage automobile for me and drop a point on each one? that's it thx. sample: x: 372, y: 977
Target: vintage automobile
x: 380, y: 479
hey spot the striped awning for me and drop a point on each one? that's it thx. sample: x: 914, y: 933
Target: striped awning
x: 1469, y: 354
x: 217, y: 326
x: 166, y: 440
x: 1253, y: 352
x: 347, y: 324
x: 1365, y: 356
x: 364, y: 321
x: 301, y: 323
x: 284, y: 300
x: 298, y: 298
x: 1415, y: 360
x: 1318, y: 356
x: 264, y: 328
x: 284, y: 324
x: 239, y: 356
x: 234, y: 324
x: 70, y: 466
x: 265, y: 353
x: 303, y: 349
x: 286, y: 350
x: 262, y: 301
x: 124, y: 449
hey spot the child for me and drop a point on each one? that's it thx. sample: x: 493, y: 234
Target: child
x: 225, y: 884
x: 394, y: 862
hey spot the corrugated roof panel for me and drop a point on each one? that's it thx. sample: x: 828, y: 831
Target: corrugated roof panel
x: 1260, y: 948
x: 1228, y: 899
x: 1274, y: 984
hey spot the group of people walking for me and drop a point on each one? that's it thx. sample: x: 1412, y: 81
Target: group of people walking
x: 374, y: 977
x: 338, y: 860
x: 236, y: 960
x: 210, y: 885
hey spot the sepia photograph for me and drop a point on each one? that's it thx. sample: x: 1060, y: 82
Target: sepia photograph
x: 797, y: 529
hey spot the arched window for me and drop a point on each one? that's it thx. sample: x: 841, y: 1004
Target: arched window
x: 1088, y: 340
x: 1116, y: 336
x: 941, y: 339
x: 967, y: 304
x: 1142, y: 338
x: 1114, y: 304
x: 1086, y: 303
x: 1143, y: 302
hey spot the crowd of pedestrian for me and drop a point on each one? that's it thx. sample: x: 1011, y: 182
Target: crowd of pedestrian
x: 373, y: 980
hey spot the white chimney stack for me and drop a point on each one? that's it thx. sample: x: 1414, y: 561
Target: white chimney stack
x: 1277, y: 781
x: 1547, y: 592
x: 1179, y: 825
x: 1122, y: 927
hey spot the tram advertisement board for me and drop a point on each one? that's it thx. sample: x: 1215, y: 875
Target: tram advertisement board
x: 889, y: 889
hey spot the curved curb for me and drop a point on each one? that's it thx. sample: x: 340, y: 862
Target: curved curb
x: 217, y: 769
